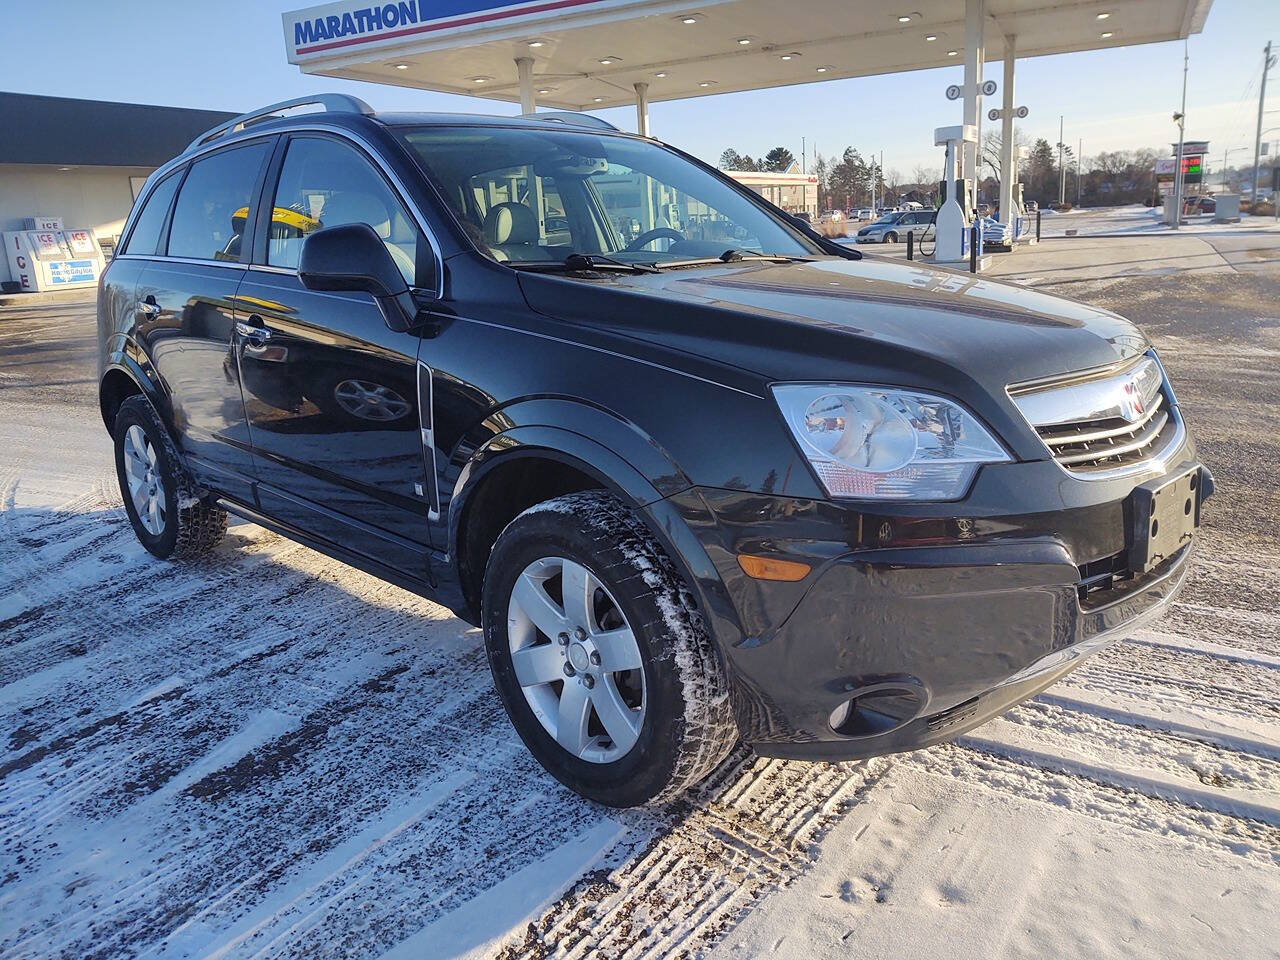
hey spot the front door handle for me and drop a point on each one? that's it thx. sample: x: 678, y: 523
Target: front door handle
x: 254, y: 331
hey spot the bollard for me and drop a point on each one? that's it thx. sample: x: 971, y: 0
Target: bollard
x: 1037, y: 224
x: 975, y: 238
x: 910, y: 245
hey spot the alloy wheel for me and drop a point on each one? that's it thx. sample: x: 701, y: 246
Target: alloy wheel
x: 576, y: 659
x: 142, y: 475
x: 370, y: 401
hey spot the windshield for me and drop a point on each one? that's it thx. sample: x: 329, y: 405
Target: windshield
x: 538, y: 196
x: 889, y: 218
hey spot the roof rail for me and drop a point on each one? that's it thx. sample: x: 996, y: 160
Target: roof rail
x: 331, y: 102
x: 571, y: 118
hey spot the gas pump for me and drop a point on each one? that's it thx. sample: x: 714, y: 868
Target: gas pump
x: 45, y: 256
x: 954, y: 216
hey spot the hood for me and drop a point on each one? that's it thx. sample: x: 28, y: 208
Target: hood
x: 838, y: 319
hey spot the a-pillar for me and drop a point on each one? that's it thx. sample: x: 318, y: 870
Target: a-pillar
x: 524, y: 69
x: 642, y: 109
x: 1008, y: 168
x: 975, y: 15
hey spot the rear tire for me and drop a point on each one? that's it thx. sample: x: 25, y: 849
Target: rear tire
x: 672, y: 687
x: 171, y: 516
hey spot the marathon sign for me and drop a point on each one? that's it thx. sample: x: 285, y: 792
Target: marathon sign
x: 335, y: 29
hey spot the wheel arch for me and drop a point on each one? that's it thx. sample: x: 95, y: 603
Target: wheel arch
x: 513, y: 471
x: 121, y: 379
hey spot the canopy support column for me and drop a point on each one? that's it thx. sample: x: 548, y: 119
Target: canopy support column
x: 1007, y: 169
x: 524, y: 69
x: 975, y: 16
x: 642, y: 109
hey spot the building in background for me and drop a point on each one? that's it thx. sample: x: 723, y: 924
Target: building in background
x: 793, y: 191
x: 83, y: 161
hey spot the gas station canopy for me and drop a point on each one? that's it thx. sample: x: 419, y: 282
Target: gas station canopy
x: 589, y: 54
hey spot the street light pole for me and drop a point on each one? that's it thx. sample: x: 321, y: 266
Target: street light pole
x: 1262, y: 97
x: 1062, y: 170
x: 1079, y: 154
x: 1182, y: 126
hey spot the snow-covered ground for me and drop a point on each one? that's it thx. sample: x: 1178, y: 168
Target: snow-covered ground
x: 270, y: 754
x: 1137, y: 220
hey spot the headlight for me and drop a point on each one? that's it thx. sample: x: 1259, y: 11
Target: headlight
x: 885, y: 443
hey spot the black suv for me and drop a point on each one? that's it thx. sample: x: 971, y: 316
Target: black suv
x: 700, y: 474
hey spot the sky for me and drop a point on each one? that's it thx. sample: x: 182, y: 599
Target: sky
x: 229, y: 55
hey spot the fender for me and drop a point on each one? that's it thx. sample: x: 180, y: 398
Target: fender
x: 124, y: 361
x: 555, y: 443
x: 665, y: 520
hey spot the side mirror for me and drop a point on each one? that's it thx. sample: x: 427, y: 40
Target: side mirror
x: 353, y: 257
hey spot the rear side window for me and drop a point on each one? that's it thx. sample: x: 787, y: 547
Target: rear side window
x: 213, y: 204
x: 146, y: 231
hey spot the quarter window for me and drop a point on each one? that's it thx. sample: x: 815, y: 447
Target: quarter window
x: 327, y: 184
x: 213, y: 204
x: 146, y: 231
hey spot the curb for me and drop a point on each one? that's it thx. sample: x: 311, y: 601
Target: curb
x: 82, y: 295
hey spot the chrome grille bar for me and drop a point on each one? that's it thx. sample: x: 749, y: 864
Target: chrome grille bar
x: 1104, y: 425
x: 1083, y: 435
x: 1140, y: 442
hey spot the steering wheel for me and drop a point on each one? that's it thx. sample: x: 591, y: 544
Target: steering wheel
x: 657, y: 233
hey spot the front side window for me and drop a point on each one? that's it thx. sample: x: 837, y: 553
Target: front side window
x: 146, y: 231
x: 539, y: 196
x: 324, y: 183
x: 213, y: 204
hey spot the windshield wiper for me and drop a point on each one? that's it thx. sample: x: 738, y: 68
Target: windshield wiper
x: 576, y: 262
x: 733, y: 254
x: 592, y: 261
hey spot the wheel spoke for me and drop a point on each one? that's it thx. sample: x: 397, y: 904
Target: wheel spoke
x: 538, y: 664
x: 571, y: 720
x: 622, y: 723
x: 134, y: 468
x: 577, y: 587
x: 153, y: 511
x: 618, y: 650
x: 532, y: 599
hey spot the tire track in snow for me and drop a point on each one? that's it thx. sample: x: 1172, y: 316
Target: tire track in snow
x: 750, y: 830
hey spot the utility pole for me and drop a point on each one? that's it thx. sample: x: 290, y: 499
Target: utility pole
x: 1062, y: 170
x: 803, y: 162
x: 1079, y: 154
x: 1267, y: 63
x: 1181, y: 117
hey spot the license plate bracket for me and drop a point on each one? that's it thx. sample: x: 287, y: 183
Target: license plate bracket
x: 1165, y: 514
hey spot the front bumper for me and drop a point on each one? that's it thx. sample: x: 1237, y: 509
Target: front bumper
x: 925, y: 625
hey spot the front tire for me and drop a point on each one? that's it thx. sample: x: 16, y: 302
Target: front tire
x: 890, y: 238
x: 169, y: 514
x: 599, y: 654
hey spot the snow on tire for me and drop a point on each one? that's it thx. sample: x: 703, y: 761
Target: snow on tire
x: 186, y: 524
x: 545, y: 661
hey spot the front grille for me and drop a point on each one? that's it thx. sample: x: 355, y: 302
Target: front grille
x: 1093, y: 445
x: 1096, y: 425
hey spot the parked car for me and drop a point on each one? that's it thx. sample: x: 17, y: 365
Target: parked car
x: 893, y: 227
x: 692, y: 490
x: 1199, y: 205
x: 862, y: 213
